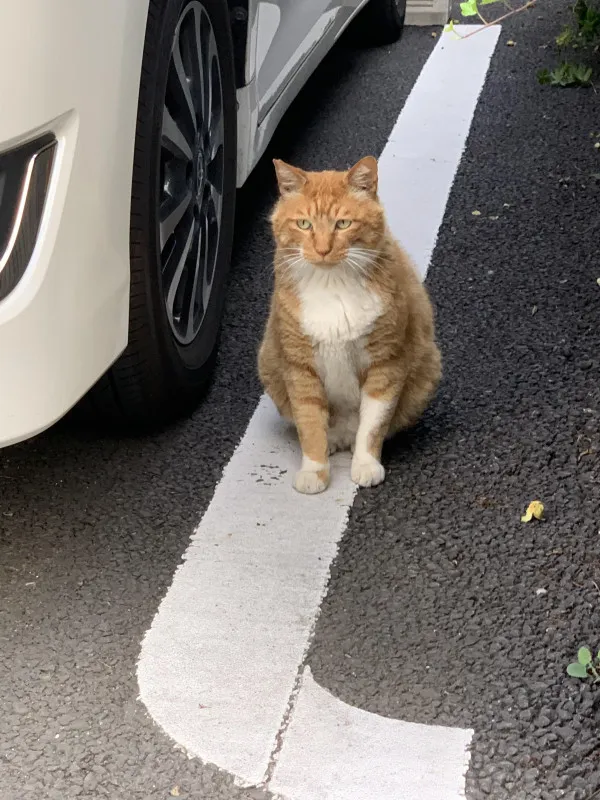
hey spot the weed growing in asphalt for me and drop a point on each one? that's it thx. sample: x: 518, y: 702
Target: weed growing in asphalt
x: 581, y: 36
x: 566, y: 74
x: 578, y: 42
x: 587, y: 666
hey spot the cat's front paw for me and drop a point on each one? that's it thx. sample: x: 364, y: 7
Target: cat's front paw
x: 366, y: 470
x: 311, y: 481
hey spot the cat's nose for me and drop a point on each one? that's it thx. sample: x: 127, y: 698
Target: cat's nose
x: 323, y: 250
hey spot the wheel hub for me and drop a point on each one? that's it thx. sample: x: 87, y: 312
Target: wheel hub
x: 199, y: 177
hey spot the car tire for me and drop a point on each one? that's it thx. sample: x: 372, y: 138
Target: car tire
x: 382, y: 21
x: 185, y: 157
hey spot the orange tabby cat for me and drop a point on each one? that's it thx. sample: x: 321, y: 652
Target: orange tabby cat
x: 349, y: 352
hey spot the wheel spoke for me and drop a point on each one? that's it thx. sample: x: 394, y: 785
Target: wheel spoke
x: 199, y: 65
x: 198, y: 271
x: 173, y: 138
x: 215, y: 138
x: 212, y: 221
x: 204, y: 266
x: 183, y: 83
x: 180, y: 256
x: 214, y: 112
x: 216, y: 201
x: 171, y: 214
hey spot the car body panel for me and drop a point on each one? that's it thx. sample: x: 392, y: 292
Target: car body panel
x: 73, y: 69
x: 298, y: 49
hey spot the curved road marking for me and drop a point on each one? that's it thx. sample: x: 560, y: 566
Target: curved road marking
x: 222, y: 669
x: 350, y: 754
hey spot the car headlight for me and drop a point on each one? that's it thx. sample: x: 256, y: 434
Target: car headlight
x: 24, y: 178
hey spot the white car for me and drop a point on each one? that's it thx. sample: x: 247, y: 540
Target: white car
x: 125, y: 127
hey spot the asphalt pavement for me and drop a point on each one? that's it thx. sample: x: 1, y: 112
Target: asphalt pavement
x: 443, y: 606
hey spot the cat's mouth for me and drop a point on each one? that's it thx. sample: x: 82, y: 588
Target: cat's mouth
x: 354, y: 262
x: 326, y: 261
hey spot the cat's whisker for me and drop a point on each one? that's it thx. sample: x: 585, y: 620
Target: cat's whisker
x: 368, y: 250
x: 289, y: 265
x: 360, y: 269
x: 366, y: 257
x: 293, y: 255
x: 292, y: 262
x: 361, y: 262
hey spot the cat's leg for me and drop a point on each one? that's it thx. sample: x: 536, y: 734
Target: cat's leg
x: 311, y: 415
x: 379, y: 397
x: 269, y: 371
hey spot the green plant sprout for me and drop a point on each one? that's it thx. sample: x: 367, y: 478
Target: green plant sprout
x: 586, y: 667
x: 583, y: 35
x: 566, y: 74
x: 472, y: 8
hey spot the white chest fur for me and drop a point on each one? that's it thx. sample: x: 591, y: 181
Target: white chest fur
x: 338, y: 313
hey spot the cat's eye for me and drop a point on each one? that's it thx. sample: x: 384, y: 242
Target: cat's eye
x: 342, y: 224
x: 304, y: 224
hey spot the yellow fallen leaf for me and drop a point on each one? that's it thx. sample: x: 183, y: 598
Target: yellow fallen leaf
x: 510, y: 43
x: 433, y: 35
x: 597, y: 145
x: 535, y: 509
x: 175, y: 792
x: 598, y: 281
x: 476, y: 213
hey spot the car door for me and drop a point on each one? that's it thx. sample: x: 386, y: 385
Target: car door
x: 289, y: 32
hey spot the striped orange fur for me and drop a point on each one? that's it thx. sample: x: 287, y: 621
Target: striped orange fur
x: 349, y: 352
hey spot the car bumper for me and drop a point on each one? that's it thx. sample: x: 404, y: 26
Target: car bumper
x: 69, y: 80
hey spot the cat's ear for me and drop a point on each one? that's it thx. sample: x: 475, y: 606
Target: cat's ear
x: 290, y: 179
x: 363, y: 175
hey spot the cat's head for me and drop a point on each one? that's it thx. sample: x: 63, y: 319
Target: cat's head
x: 328, y: 218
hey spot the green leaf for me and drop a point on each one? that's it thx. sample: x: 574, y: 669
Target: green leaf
x: 582, y: 74
x: 580, y: 10
x: 561, y: 76
x: 544, y: 76
x: 568, y: 74
x: 469, y: 8
x: 584, y: 656
x: 577, y: 671
x: 449, y: 27
x: 589, y: 25
x: 488, y: 2
x: 565, y: 37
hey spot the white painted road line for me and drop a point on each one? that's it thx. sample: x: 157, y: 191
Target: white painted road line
x: 353, y: 755
x: 419, y: 162
x: 219, y: 664
x: 222, y: 668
